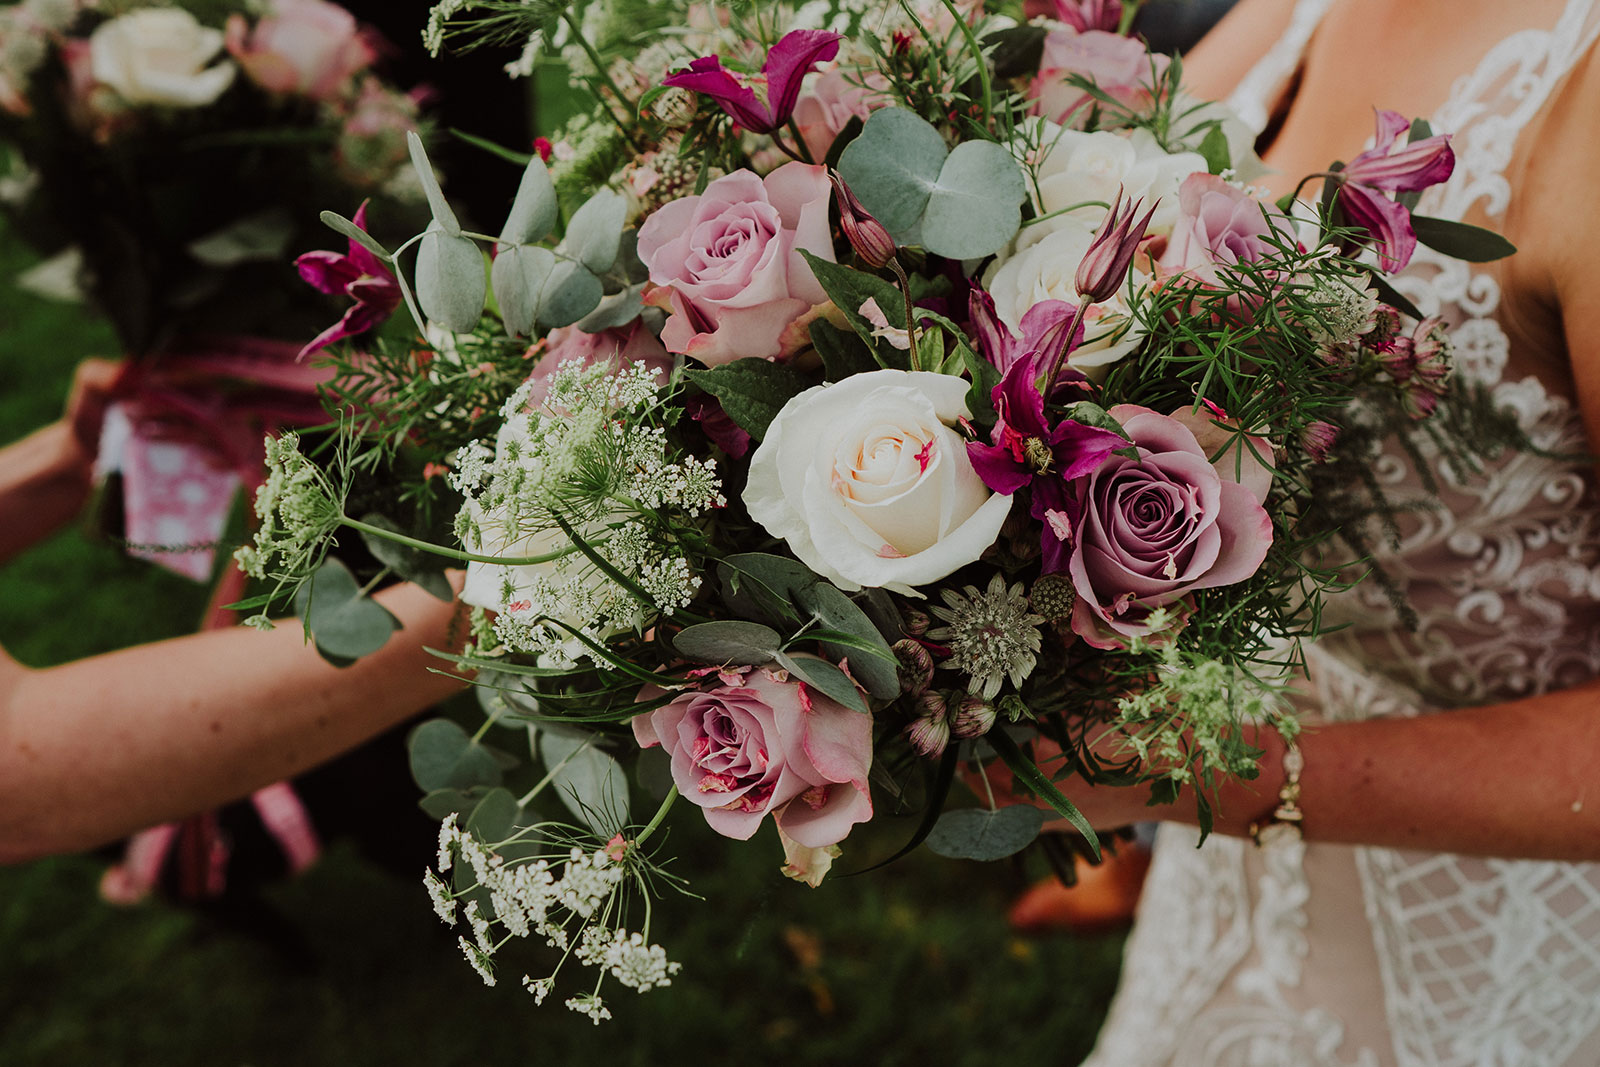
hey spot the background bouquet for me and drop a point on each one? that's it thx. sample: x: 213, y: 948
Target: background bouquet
x: 908, y: 386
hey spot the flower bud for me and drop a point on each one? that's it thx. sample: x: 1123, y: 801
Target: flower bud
x: 1104, y: 267
x: 916, y: 666
x: 1385, y: 328
x: 973, y: 717
x: 930, y: 732
x: 1419, y: 401
x: 1400, y: 360
x: 1318, y: 439
x: 867, y: 235
x: 1433, y: 354
x: 1053, y: 596
x: 915, y: 623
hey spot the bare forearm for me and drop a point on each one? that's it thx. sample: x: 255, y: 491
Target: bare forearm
x: 44, y: 479
x: 95, y: 749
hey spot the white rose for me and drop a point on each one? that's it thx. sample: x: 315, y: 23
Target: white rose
x: 158, y: 55
x: 1047, y: 270
x: 1074, y: 167
x: 1195, y: 123
x: 869, y: 485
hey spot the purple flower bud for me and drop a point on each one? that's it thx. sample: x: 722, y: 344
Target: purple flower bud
x: 915, y: 666
x: 867, y: 235
x: 915, y: 623
x: 1419, y: 401
x: 1104, y: 267
x: 1433, y: 353
x: 973, y: 717
x: 1385, y: 328
x: 930, y: 732
x: 1318, y: 439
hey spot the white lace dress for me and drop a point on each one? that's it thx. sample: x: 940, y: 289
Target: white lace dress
x: 1313, y: 955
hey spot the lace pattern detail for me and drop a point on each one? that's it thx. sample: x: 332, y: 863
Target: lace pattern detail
x: 1482, y: 963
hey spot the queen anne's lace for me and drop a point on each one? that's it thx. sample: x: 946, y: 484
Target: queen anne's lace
x: 1239, y: 957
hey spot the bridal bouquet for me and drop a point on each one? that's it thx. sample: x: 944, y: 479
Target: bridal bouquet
x: 166, y: 157
x: 905, y: 386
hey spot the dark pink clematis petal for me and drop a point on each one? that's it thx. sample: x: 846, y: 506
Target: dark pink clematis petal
x: 787, y: 64
x: 1388, y: 222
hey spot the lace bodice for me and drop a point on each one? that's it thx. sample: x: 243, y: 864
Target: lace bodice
x: 1265, y: 958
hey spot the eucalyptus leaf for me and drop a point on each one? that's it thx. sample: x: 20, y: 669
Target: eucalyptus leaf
x: 337, y: 222
x: 595, y: 233
x: 762, y: 584
x: 519, y: 275
x: 450, y: 280
x: 571, y: 292
x: 752, y: 391
x: 590, y: 783
x: 980, y: 834
x: 535, y: 209
x: 440, y: 804
x: 496, y: 817
x: 827, y: 679
x: 893, y: 166
x: 443, y: 756
x: 615, y: 310
x: 877, y: 670
x: 975, y: 207
x: 437, y: 204
x: 345, y: 624
x: 412, y: 564
x: 729, y: 641
x: 254, y: 238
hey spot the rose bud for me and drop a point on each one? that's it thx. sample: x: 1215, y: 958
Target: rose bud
x: 867, y: 235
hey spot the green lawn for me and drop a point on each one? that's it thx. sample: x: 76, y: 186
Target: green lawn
x: 909, y: 965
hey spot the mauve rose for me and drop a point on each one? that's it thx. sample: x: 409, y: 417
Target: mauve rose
x: 1145, y: 532
x: 1219, y: 226
x: 305, y: 47
x: 833, y: 98
x: 727, y: 266
x: 617, y: 347
x: 767, y: 746
x: 1119, y: 66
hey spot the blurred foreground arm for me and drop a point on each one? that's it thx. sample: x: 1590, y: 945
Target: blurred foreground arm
x: 93, y: 750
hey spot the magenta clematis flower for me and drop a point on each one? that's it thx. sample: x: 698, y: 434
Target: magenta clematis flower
x: 787, y: 63
x: 1044, y: 326
x: 1392, y: 166
x: 1081, y: 15
x: 359, y: 275
x: 1026, y: 447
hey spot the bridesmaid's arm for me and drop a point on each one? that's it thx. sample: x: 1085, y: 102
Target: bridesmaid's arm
x: 93, y: 750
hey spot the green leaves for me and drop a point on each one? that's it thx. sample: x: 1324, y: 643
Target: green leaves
x: 444, y: 757
x: 412, y: 564
x: 981, y: 834
x: 963, y: 203
x: 1473, y: 244
x: 849, y: 289
x: 751, y: 391
x: 1028, y: 773
x: 729, y: 641
x: 450, y: 282
x: 589, y: 782
x: 345, y: 623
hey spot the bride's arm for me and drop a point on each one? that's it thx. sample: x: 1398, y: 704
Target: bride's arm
x: 93, y: 750
x: 1224, y: 55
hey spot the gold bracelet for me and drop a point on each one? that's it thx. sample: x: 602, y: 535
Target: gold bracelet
x: 1284, y: 823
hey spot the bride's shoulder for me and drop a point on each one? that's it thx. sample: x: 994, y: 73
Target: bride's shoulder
x: 1247, y: 32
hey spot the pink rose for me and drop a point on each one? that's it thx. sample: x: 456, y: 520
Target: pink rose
x: 1219, y: 226
x: 618, y: 347
x: 1145, y: 532
x: 774, y: 746
x: 1119, y: 66
x: 306, y: 47
x: 835, y: 97
x: 727, y: 266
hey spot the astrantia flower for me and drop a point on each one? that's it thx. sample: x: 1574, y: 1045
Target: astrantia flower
x: 991, y: 635
x: 1342, y: 312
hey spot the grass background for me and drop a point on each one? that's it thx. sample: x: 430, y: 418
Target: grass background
x: 347, y: 965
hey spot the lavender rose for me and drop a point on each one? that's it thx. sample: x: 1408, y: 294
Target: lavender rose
x: 1145, y: 532
x: 727, y: 266
x: 767, y: 746
x: 1219, y: 226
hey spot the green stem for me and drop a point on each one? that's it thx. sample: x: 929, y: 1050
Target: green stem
x: 451, y: 553
x: 603, y: 74
x: 660, y: 815
x: 527, y: 798
x: 799, y: 143
x: 911, y: 313
x: 978, y: 56
x: 1066, y: 348
x: 370, y: 586
x: 1130, y: 11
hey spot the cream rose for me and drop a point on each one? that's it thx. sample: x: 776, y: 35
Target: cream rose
x: 870, y: 486
x: 1046, y: 270
x: 158, y: 56
x: 1074, y: 167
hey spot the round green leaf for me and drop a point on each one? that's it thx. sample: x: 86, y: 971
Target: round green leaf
x: 518, y: 275
x: 976, y: 205
x: 893, y: 166
x: 344, y: 623
x: 450, y: 282
x: 444, y: 757
x: 729, y: 641
x: 595, y: 232
x: 827, y: 679
x: 534, y: 210
x: 571, y: 293
x: 590, y: 783
x: 980, y: 834
x: 496, y: 817
x: 835, y: 611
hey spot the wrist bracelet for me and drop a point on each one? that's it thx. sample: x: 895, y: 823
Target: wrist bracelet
x: 1284, y: 822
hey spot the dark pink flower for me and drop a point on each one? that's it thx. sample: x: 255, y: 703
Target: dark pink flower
x: 1104, y: 268
x: 1392, y: 165
x: 787, y: 64
x: 1081, y: 15
x: 357, y: 274
x: 1025, y: 447
x: 767, y: 746
x: 1120, y: 67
